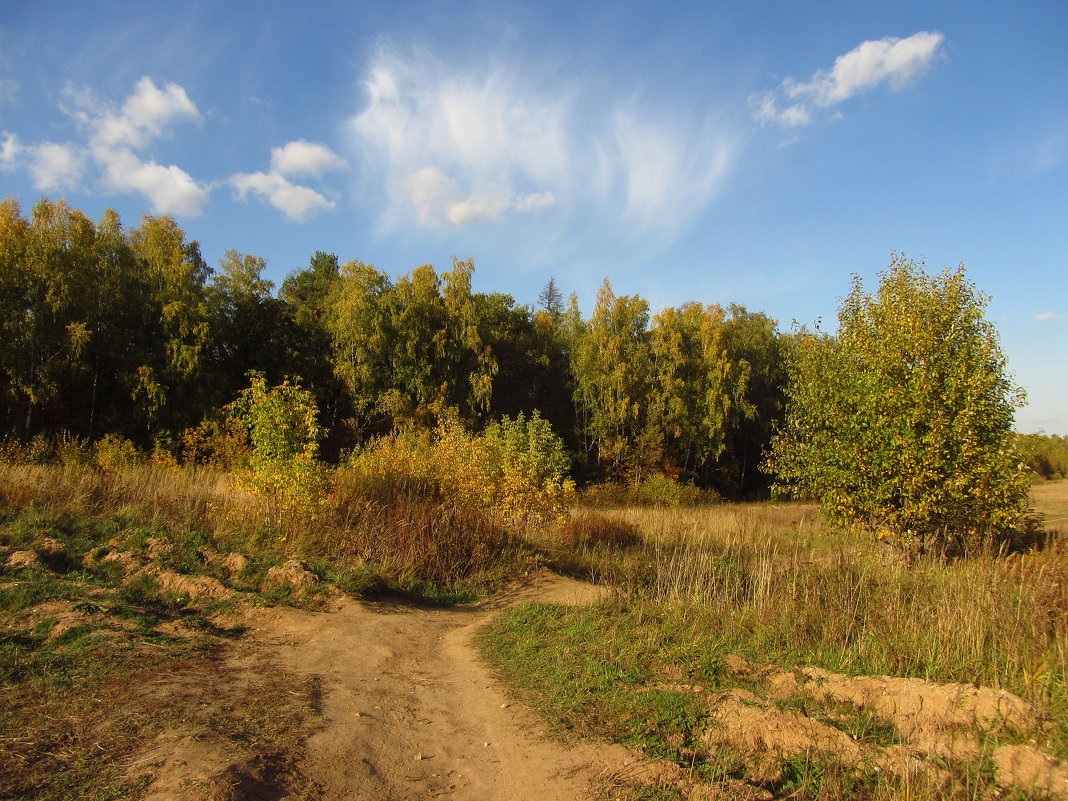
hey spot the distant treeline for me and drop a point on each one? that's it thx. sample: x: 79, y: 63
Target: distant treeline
x: 1046, y: 455
x: 108, y: 330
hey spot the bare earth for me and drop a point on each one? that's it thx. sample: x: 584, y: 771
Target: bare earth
x: 405, y: 709
x: 408, y: 711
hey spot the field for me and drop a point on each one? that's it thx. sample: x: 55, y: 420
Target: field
x: 731, y: 643
x: 728, y: 652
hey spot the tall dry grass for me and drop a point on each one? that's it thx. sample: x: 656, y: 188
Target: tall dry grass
x: 774, y: 583
x: 409, y: 538
x: 147, y: 492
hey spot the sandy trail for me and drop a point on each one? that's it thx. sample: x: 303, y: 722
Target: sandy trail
x: 410, y: 712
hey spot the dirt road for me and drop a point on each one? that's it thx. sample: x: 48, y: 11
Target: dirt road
x: 409, y: 711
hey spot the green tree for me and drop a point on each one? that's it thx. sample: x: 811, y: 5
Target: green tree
x: 47, y: 276
x: 166, y: 386
x: 469, y: 361
x: 902, y: 423
x: 361, y: 328
x: 248, y: 325
x: 309, y: 291
x: 308, y: 295
x: 611, y: 367
x: 411, y: 350
x: 116, y: 319
x: 693, y: 390
x: 754, y: 348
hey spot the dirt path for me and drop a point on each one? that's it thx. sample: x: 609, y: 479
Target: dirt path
x: 410, y: 712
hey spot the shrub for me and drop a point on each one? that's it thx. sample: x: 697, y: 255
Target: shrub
x: 517, y: 468
x: 36, y: 451
x: 515, y: 471
x: 114, y: 452
x: 282, y: 467
x: 221, y: 443
x: 902, y: 423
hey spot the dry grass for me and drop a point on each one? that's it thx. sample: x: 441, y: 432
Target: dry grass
x: 789, y: 590
x: 410, y: 540
x: 774, y: 584
x: 176, y: 497
x: 1051, y: 499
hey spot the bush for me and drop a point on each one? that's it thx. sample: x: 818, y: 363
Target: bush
x: 114, y: 452
x: 515, y: 471
x: 221, y: 443
x: 282, y: 467
x: 902, y: 423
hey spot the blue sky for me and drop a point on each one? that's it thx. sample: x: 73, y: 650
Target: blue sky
x: 746, y: 152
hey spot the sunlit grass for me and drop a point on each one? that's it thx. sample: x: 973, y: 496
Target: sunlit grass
x: 775, y: 584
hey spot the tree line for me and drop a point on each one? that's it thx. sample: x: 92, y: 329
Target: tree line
x: 109, y: 330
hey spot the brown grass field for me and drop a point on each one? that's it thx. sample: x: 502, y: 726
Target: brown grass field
x: 710, y: 609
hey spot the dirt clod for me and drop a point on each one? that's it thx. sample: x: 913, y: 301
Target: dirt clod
x: 1031, y: 770
x: 294, y: 574
x: 49, y: 546
x: 23, y: 560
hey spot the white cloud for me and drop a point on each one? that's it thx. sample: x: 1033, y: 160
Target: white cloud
x: 114, y: 137
x: 1047, y: 316
x: 299, y: 157
x: 170, y: 189
x: 304, y: 158
x: 56, y: 166
x: 296, y: 202
x: 51, y: 165
x: 450, y: 147
x: 10, y: 150
x: 147, y: 114
x: 896, y: 62
x: 438, y: 200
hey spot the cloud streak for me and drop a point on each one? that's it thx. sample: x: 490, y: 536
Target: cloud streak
x: 447, y: 147
x: 895, y: 62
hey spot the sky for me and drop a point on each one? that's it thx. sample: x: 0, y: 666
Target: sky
x: 758, y: 153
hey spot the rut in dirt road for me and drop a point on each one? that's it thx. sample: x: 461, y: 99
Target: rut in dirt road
x: 409, y: 711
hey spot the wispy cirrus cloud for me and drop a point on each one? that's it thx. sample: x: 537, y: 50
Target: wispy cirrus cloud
x: 1045, y: 317
x: 892, y: 61
x: 448, y: 146
x: 297, y: 202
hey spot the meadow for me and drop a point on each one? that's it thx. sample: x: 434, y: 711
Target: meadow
x: 749, y: 597
x: 716, y: 601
